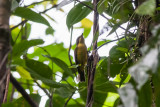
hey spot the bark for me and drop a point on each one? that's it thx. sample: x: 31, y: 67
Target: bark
x: 93, y: 59
x: 4, y: 45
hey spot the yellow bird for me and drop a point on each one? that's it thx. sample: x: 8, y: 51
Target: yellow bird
x: 80, y: 54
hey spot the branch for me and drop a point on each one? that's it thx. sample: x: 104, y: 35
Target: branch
x: 42, y: 88
x: 110, y: 42
x: 93, y: 59
x: 65, y: 105
x: 23, y: 92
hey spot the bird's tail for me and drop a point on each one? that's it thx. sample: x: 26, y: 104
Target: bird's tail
x: 81, y: 75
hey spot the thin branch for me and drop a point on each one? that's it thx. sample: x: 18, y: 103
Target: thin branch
x: 21, y: 23
x: 65, y: 105
x: 37, y: 3
x: 23, y: 92
x: 7, y: 85
x: 110, y: 42
x: 42, y: 88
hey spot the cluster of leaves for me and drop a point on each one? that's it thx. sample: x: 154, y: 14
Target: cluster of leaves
x: 112, y: 72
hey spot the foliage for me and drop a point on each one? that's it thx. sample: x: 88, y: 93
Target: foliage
x: 124, y: 78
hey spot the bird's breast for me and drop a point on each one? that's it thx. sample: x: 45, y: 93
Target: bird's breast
x: 82, y: 53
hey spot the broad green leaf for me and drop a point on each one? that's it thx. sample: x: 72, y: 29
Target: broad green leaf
x: 64, y: 92
x: 119, y: 9
x: 20, y: 34
x: 102, y: 42
x: 49, y: 30
x: 54, y: 50
x: 110, y: 100
x: 24, y: 45
x: 116, y: 55
x: 58, y: 101
x: 28, y: 14
x: 147, y: 8
x: 102, y: 5
x: 145, y: 95
x: 86, y: 32
x: 62, y: 65
x: 40, y: 68
x: 78, y: 102
x: 23, y: 73
x: 77, y: 13
x: 113, y: 71
x: 122, y: 49
x: 46, y: 81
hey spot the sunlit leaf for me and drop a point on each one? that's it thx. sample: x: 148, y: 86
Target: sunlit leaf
x: 86, y: 23
x: 23, y: 73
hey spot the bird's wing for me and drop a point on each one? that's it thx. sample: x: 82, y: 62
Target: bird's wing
x: 75, y: 55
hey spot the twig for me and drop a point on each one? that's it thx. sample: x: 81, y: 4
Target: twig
x: 36, y: 3
x: 7, y: 85
x: 109, y: 42
x: 23, y: 92
x: 11, y: 97
x: 42, y: 88
x: 65, y: 105
x: 21, y: 23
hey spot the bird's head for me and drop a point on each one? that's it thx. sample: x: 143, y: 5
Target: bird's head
x: 80, y: 39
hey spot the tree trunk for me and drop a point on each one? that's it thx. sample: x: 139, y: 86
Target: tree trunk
x: 4, y: 46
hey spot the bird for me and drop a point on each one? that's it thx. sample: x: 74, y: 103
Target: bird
x: 81, y: 54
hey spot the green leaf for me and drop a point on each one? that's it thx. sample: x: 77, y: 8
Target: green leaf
x: 102, y: 5
x: 21, y: 102
x: 146, y: 8
x: 64, y: 92
x: 46, y: 81
x: 145, y: 95
x: 28, y: 14
x: 58, y: 101
x: 77, y: 13
x: 62, y: 65
x: 116, y: 55
x: 54, y: 50
x: 24, y: 45
x: 40, y: 68
x: 23, y: 73
x: 49, y: 30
